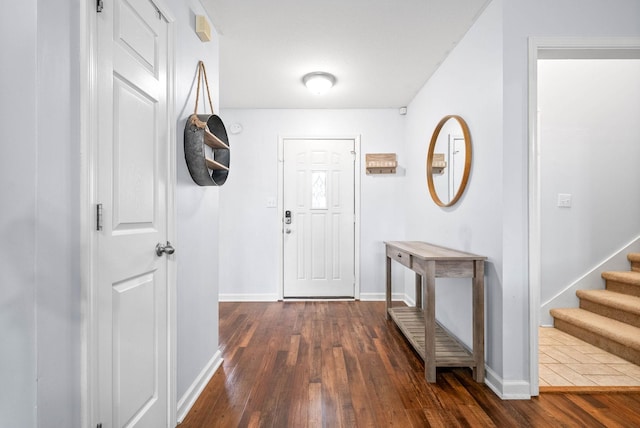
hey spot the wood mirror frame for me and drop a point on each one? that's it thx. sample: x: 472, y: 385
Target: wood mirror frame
x: 467, y: 161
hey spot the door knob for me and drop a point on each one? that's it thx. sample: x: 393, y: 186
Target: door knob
x: 166, y: 249
x: 287, y: 231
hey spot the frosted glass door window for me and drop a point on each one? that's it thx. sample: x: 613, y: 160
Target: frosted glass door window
x: 319, y: 190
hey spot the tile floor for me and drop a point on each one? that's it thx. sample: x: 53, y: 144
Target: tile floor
x: 567, y: 361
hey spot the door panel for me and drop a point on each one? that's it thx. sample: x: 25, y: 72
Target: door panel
x: 318, y: 246
x: 134, y: 326
x: 134, y: 174
x: 132, y: 185
x: 318, y: 188
x: 136, y: 34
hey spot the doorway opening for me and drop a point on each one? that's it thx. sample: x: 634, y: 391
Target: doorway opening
x: 549, y: 135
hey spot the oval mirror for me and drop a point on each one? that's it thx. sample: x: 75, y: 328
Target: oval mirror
x: 449, y: 160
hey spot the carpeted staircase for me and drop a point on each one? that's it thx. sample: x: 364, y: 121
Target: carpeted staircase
x: 609, y: 318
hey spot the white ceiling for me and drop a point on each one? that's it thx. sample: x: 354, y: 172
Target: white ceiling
x: 381, y: 51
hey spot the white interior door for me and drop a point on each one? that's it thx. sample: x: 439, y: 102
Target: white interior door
x: 132, y: 186
x: 457, y: 156
x: 319, y: 218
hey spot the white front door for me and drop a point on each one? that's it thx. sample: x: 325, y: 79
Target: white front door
x: 319, y: 218
x: 132, y: 186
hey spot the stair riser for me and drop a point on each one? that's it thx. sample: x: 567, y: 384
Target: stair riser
x: 613, y: 313
x: 635, y: 267
x: 621, y: 287
x: 608, y: 345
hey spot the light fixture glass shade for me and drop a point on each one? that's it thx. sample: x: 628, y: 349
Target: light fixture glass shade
x: 319, y: 82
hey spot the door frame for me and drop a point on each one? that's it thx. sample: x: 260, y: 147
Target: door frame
x: 88, y: 130
x: 557, y: 48
x: 356, y: 194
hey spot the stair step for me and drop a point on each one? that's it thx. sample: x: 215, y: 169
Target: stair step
x: 623, y: 282
x: 634, y: 259
x: 620, y: 307
x: 613, y: 336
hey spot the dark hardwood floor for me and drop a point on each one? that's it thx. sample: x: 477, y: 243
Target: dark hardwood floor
x: 341, y: 364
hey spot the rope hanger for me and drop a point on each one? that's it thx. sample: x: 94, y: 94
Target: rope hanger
x: 202, y: 75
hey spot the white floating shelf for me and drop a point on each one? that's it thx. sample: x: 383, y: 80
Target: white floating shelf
x: 211, y: 164
x: 213, y: 141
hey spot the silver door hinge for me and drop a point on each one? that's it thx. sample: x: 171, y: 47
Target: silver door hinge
x: 99, y: 217
x: 99, y: 7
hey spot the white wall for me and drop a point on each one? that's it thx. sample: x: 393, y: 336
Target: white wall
x: 57, y: 232
x: 197, y: 243
x: 18, y: 148
x: 40, y: 297
x: 469, y: 84
x: 589, y: 142
x: 40, y: 300
x: 251, y: 231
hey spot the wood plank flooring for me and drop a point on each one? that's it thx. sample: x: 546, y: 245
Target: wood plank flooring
x: 341, y: 364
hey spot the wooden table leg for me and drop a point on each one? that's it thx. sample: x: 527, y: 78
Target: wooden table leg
x: 388, y: 291
x: 430, y: 322
x: 478, y: 321
x: 418, y: 290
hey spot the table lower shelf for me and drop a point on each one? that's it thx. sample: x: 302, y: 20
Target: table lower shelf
x: 449, y: 351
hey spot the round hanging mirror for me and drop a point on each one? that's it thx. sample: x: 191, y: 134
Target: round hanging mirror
x: 449, y: 160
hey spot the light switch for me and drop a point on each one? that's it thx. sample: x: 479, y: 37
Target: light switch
x: 564, y: 200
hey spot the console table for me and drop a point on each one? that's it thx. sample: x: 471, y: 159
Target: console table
x: 433, y: 343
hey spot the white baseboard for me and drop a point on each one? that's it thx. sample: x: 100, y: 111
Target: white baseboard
x: 370, y: 297
x: 193, y: 392
x: 248, y: 297
x: 406, y: 299
x: 507, y: 390
x: 381, y: 297
x: 592, y: 280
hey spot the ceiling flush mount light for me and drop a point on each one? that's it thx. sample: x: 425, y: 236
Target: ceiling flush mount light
x: 319, y: 82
